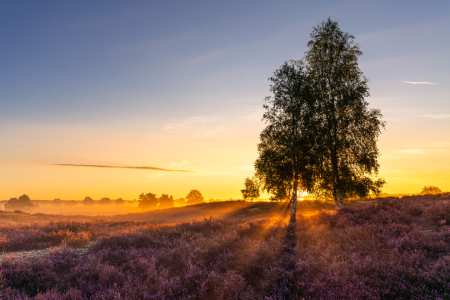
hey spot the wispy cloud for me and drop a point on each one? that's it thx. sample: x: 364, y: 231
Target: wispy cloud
x: 120, y: 167
x: 153, y: 177
x: 411, y: 151
x: 437, y: 116
x: 180, y: 164
x: 419, y: 82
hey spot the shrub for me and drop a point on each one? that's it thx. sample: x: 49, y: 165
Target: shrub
x: 23, y: 202
x: 194, y: 197
x: 427, y: 190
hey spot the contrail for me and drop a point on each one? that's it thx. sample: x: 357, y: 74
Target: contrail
x: 120, y: 167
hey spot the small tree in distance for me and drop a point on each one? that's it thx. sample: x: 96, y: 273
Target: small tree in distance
x: 23, y: 202
x: 57, y: 202
x: 251, y: 190
x: 105, y: 201
x: 194, y: 197
x: 166, y: 201
x: 427, y: 190
x: 147, y: 201
x: 180, y: 202
x: 88, y: 201
x: 119, y: 201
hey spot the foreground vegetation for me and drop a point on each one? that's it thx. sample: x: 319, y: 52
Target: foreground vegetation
x: 387, y: 249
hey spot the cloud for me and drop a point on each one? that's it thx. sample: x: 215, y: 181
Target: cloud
x: 419, y: 82
x: 153, y: 177
x: 120, y: 167
x: 411, y: 151
x: 180, y: 164
x: 437, y: 116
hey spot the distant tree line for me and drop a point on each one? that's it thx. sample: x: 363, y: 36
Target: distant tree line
x: 149, y: 201
x: 103, y: 201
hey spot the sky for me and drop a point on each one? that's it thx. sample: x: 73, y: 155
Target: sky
x: 179, y: 85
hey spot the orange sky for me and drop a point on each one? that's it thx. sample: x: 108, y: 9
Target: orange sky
x: 125, y: 85
x: 219, y: 149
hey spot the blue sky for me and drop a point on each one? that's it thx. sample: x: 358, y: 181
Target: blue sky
x: 74, y: 72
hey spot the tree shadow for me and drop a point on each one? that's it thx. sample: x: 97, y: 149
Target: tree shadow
x: 260, y: 210
x: 284, y: 287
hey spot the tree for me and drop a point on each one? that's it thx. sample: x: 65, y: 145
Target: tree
x: 351, y: 128
x: 166, y: 201
x: 287, y: 144
x: 105, y: 201
x: 147, y: 201
x: 251, y: 190
x: 71, y: 203
x: 23, y: 202
x: 180, y: 202
x: 57, y: 202
x: 194, y: 197
x: 119, y: 201
x: 88, y: 201
x: 427, y: 190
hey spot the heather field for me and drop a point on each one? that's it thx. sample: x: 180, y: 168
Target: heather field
x: 389, y: 248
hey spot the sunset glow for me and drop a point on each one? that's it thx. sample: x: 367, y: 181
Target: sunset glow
x: 107, y: 89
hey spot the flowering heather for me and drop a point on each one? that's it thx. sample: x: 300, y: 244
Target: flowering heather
x: 389, y: 249
x: 14, y: 237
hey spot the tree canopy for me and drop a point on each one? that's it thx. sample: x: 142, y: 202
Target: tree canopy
x: 23, y: 202
x: 194, y: 197
x: 430, y: 190
x: 351, y: 128
x: 165, y: 201
x: 286, y: 148
x: 88, y: 201
x: 251, y: 190
x: 105, y: 201
x: 119, y: 201
x: 321, y: 136
x: 148, y: 201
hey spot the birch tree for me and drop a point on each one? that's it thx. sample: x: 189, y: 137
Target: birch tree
x: 286, y: 144
x: 351, y: 127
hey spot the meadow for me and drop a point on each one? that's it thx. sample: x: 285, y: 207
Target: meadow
x: 387, y: 248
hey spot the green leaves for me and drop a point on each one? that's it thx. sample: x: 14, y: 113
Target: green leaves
x: 251, y: 190
x: 285, y: 147
x: 321, y: 134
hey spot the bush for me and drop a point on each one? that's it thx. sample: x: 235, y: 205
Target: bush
x: 194, y: 197
x: 430, y: 190
x: 21, y: 203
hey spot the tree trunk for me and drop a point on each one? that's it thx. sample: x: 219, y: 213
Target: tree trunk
x: 336, y: 201
x: 335, y: 173
x: 294, y: 196
x: 294, y: 201
x: 337, y: 188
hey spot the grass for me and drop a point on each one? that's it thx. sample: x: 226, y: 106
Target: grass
x: 386, y: 249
